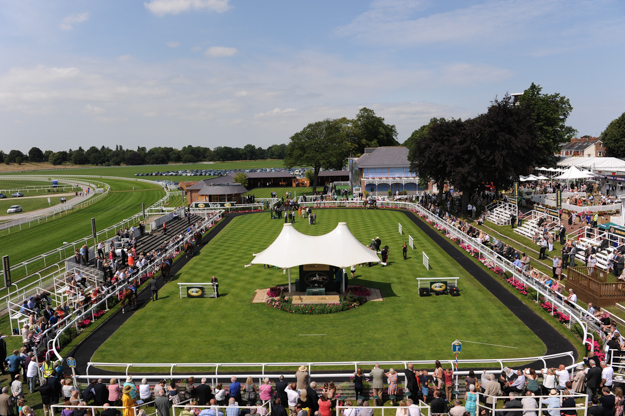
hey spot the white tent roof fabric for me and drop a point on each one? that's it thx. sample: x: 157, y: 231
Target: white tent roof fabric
x: 595, y: 163
x: 574, y: 173
x: 338, y: 248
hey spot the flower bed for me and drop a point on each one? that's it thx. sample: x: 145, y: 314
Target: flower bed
x: 274, y: 292
x: 359, y: 291
x: 286, y: 304
x: 597, y: 348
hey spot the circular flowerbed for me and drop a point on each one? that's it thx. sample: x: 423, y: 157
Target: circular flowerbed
x: 354, y: 297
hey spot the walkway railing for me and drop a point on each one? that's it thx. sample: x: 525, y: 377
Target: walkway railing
x: 266, y: 370
x: 576, y: 313
x: 58, y: 211
x: 76, y: 316
x: 54, y: 260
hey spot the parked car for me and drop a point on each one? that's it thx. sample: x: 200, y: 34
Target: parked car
x: 3, y: 196
x: 17, y: 194
x: 14, y: 209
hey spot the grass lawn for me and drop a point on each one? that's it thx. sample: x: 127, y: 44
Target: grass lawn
x: 122, y: 202
x: 403, y: 326
x: 281, y: 191
x: 30, y: 204
x: 129, y: 171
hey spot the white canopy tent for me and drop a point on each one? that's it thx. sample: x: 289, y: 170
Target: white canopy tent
x: 338, y: 248
x: 573, y: 173
x: 595, y: 163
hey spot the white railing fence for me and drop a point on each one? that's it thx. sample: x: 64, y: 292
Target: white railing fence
x: 577, y: 314
x: 60, y: 209
x: 54, y: 343
x: 218, y: 371
x: 60, y: 254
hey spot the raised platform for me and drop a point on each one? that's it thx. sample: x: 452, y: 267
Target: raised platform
x: 308, y: 300
x: 260, y: 295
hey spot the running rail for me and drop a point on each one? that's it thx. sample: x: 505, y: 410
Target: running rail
x: 55, y: 343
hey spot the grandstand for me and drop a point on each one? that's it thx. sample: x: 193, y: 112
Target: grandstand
x: 500, y: 213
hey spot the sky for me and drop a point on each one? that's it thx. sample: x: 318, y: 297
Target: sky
x: 230, y: 72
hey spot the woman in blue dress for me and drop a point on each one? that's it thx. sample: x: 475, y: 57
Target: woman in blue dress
x: 470, y: 400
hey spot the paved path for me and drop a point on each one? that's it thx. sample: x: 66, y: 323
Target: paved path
x: 553, y: 340
x: 51, y: 209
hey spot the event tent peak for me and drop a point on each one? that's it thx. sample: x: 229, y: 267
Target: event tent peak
x: 337, y: 248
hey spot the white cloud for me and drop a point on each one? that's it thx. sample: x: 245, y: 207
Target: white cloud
x: 89, y: 109
x: 163, y: 7
x: 404, y: 23
x: 124, y: 58
x: 275, y: 112
x: 196, y: 48
x: 220, y: 51
x: 172, y: 44
x: 70, y: 20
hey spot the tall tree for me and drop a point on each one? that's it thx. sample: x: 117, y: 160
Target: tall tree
x: 35, y: 155
x: 319, y: 145
x: 614, y: 137
x: 369, y: 130
x: 241, y: 178
x: 428, y: 147
x: 549, y: 114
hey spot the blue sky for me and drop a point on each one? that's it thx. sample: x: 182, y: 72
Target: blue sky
x: 227, y: 72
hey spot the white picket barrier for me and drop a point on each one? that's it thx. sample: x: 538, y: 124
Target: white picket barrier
x: 400, y: 230
x: 426, y: 261
x: 411, y: 242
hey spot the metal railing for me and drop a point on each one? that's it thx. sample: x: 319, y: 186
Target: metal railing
x: 576, y: 313
x: 264, y: 370
x: 424, y: 409
x: 77, y: 315
x: 60, y: 209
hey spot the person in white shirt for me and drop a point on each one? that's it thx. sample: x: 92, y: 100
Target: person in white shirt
x: 413, y: 409
x: 563, y: 377
x: 292, y: 397
x: 31, y: 373
x: 572, y: 296
x: 607, y: 375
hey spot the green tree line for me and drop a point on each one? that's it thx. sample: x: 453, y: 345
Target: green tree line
x: 105, y: 156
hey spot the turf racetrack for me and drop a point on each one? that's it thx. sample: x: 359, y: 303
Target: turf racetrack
x: 402, y: 327
x: 121, y: 202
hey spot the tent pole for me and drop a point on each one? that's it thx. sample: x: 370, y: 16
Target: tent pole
x: 344, y: 288
x: 289, y: 280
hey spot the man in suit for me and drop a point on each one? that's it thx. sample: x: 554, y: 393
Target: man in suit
x: 278, y: 409
x: 513, y: 404
x: 562, y: 234
x: 438, y: 404
x: 204, y: 393
x: 493, y: 388
x: 101, y: 393
x: 313, y: 397
x: 377, y: 383
x: 6, y: 403
x: 593, y: 379
x: 47, y: 396
x: 595, y: 409
x: 161, y: 403
x: 604, y: 244
x: 411, y: 381
x: 280, y: 393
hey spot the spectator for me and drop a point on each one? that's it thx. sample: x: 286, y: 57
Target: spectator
x: 115, y: 393
x: 278, y: 410
x: 293, y: 397
x: 144, y: 390
x: 553, y: 403
x: 233, y: 408
x: 204, y: 393
x: 513, y: 404
x: 161, y: 403
x: 301, y: 375
x: 14, y: 361
x: 530, y: 405
x: 325, y: 406
x: 438, y: 405
x: 234, y: 390
x: 458, y: 409
x: 220, y: 394
x: 607, y: 401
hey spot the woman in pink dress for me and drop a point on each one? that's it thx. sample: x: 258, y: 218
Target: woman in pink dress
x: 392, y: 384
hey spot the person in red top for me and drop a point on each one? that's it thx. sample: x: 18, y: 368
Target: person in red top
x: 165, y: 228
x: 325, y: 406
x: 448, y: 383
